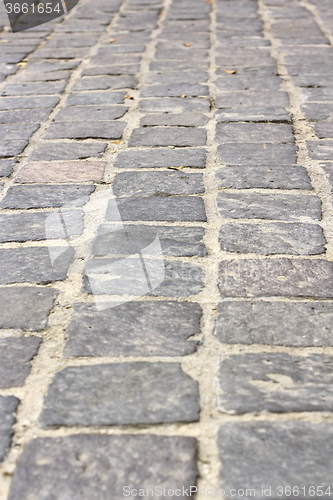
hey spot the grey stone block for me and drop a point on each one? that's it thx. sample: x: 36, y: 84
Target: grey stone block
x: 239, y: 83
x: 89, y: 113
x: 121, y: 394
x: 40, y: 225
x: 317, y: 110
x: 94, y: 98
x: 57, y: 151
x: 97, y: 466
x: 15, y: 357
x: 28, y: 102
x: 86, y: 130
x: 276, y: 277
x: 320, y: 150
x: 244, y: 177
x: 176, y: 77
x: 328, y: 169
x: 26, y: 308
x: 254, y: 133
x: 21, y: 265
x: 142, y: 184
x: 25, y: 115
x: 262, y: 456
x: 162, y: 158
x: 17, y: 131
x: 252, y: 98
x: 112, y: 69
x: 151, y: 329
x: 324, y: 129
x: 168, y: 66
x: 275, y: 382
x: 175, y: 90
x: 6, y: 167
x: 253, y: 114
x: 268, y: 206
x: 298, y: 324
x: 105, y: 83
x: 257, y: 154
x: 16, y: 89
x: 8, y: 405
x: 168, y: 136
x: 43, y: 196
x: 12, y: 148
x: 272, y: 238
x: 182, y: 55
x: 174, y: 241
x: 180, y: 120
x: 175, y: 105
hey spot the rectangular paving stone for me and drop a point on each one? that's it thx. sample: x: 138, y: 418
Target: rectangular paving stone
x: 61, y: 171
x: 106, y: 83
x: 58, y: 466
x: 16, y: 89
x: 112, y: 69
x: 320, y: 150
x: 15, y: 357
x: 173, y: 77
x: 34, y: 264
x: 253, y: 114
x: 89, y: 113
x: 152, y: 329
x: 315, y: 111
x: 168, y: 136
x: 162, y: 158
x: 26, y: 308
x: 17, y: 131
x: 257, y: 154
x: 180, y: 120
x: 245, y: 177
x: 8, y: 405
x: 298, y: 324
x: 174, y: 105
x: 272, y: 238
x: 86, y: 130
x: 40, y: 196
x: 121, y: 394
x: 37, y: 115
x: 28, y: 102
x: 238, y: 83
x: 142, y: 184
x: 183, y: 65
x: 41, y: 225
x: 6, y: 167
x: 12, y: 147
x: 276, y: 383
x: 254, y: 133
x: 328, y: 169
x: 276, y: 277
x: 175, y: 241
x: 251, y: 98
x: 268, y: 206
x: 324, y: 129
x: 94, y: 98
x: 174, y: 90
x: 65, y: 151
x: 262, y: 456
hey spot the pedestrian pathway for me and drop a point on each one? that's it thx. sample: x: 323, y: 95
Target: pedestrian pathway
x: 166, y: 248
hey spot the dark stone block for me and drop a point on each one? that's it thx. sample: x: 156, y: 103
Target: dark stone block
x: 43, y: 196
x: 172, y: 136
x: 257, y: 154
x: 59, y: 151
x: 162, y: 158
x: 244, y: 177
x: 12, y: 148
x: 174, y: 90
x: 16, y: 89
x: 253, y: 114
x: 17, y: 131
x: 94, y: 98
x: 28, y: 102
x: 254, y: 133
x: 25, y: 115
x: 324, y: 130
x: 85, y: 130
x: 15, y: 354
x: 89, y: 113
x: 8, y: 405
x: 175, y: 105
x: 105, y: 83
x: 252, y: 98
x: 175, y: 120
x: 320, y: 150
x: 6, y: 167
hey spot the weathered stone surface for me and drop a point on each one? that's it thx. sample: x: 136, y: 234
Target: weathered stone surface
x: 324, y: 129
x: 12, y: 147
x: 139, y: 184
x: 105, y: 83
x: 268, y: 206
x: 320, y: 150
x: 17, y: 131
x: 257, y: 154
x: 8, y: 407
x: 40, y: 196
x: 276, y: 277
x: 97, y: 467
x: 65, y: 151
x: 6, y: 167
x: 275, y: 382
x: 37, y: 115
x: 95, y: 98
x: 253, y: 114
x: 237, y: 83
x: 20, y: 265
x: 134, y: 329
x: 174, y: 241
x: 26, y: 308
x: 35, y: 88
x: 299, y: 324
x: 112, y: 69
x: 244, y: 177
x: 176, y: 120
x: 176, y: 77
x: 252, y: 98
x: 89, y: 113
x: 272, y: 238
x: 174, y: 90
x: 61, y: 171
x: 173, y: 136
x: 175, y: 105
x: 28, y: 102
x: 317, y: 110
x: 254, y: 133
x: 15, y: 354
x: 162, y: 158
x: 88, y: 129
x: 121, y: 394
x: 41, y: 225
x: 264, y: 455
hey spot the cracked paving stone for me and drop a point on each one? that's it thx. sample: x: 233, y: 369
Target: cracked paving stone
x: 64, y: 151
x: 174, y: 241
x: 41, y: 225
x: 6, y: 167
x: 276, y: 383
x: 174, y: 105
x: 162, y: 158
x: 40, y: 196
x: 85, y: 130
x: 320, y: 150
x: 62, y: 172
x: 12, y: 148
x: 17, y: 131
x: 276, y: 277
x: 257, y: 154
x: 254, y: 133
x: 15, y: 357
x: 245, y: 177
x: 8, y: 405
x: 142, y: 184
x: 89, y: 113
x: 271, y: 205
x: 180, y: 120
x: 121, y: 394
x: 105, y: 83
x: 175, y: 136
x: 174, y: 90
x: 265, y: 455
x: 97, y: 466
x: 298, y: 324
x: 26, y: 308
x: 152, y: 329
x: 21, y: 265
x: 94, y: 98
x: 28, y: 102
x: 25, y: 115
x: 250, y: 114
x: 272, y: 238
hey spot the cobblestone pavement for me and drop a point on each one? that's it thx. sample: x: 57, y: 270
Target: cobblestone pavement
x: 211, y: 122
